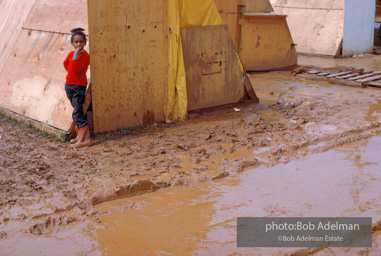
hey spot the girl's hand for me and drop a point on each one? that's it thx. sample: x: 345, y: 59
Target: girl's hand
x: 77, y: 50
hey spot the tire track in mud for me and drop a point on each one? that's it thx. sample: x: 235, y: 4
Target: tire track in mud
x: 333, y: 141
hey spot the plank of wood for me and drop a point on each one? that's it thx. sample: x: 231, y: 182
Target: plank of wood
x: 313, y: 72
x: 369, y: 79
x: 250, y: 90
x: 375, y: 84
x: 344, y: 82
x: 347, y: 76
x: 322, y: 74
x: 339, y: 74
x: 371, y: 73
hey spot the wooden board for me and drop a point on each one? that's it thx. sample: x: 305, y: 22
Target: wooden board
x: 347, y: 76
x: 33, y: 78
x: 323, y: 22
x: 12, y: 17
x: 266, y: 43
x: 57, y: 15
x: 128, y: 63
x: 212, y: 69
x: 364, y: 76
x: 369, y: 79
x: 339, y: 74
x: 375, y: 84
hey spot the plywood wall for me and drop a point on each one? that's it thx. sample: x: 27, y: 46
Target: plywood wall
x: 57, y: 15
x: 12, y: 17
x: 323, y: 21
x: 33, y: 78
x: 266, y: 43
x: 212, y: 69
x: 34, y: 43
x: 128, y: 62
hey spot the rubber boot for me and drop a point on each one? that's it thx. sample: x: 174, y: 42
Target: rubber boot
x: 83, y: 138
x: 76, y: 138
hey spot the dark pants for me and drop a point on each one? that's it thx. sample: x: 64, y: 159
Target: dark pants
x: 77, y: 94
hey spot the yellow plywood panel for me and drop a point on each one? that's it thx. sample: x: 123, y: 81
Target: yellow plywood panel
x: 212, y: 69
x: 57, y: 15
x: 266, y: 43
x: 257, y: 6
x: 32, y: 81
x: 322, y: 29
x: 128, y: 63
x: 311, y: 4
x: 231, y: 10
x: 12, y: 17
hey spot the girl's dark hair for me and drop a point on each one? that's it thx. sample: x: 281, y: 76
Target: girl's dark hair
x: 78, y: 31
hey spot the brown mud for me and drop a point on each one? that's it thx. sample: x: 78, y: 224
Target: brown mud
x: 176, y: 189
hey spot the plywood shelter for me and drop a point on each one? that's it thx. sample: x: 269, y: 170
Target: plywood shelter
x: 153, y: 61
x: 261, y: 37
x: 143, y: 77
x: 35, y: 40
x: 330, y: 27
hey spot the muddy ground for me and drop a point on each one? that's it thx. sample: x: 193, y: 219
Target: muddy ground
x: 47, y: 188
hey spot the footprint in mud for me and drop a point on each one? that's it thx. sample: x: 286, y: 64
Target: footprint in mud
x: 51, y: 224
x: 3, y: 234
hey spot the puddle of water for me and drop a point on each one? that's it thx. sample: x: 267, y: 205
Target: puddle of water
x: 352, y: 112
x: 172, y: 222
x: 202, y: 221
x: 73, y: 241
x: 268, y: 102
x: 374, y: 112
x: 269, y: 114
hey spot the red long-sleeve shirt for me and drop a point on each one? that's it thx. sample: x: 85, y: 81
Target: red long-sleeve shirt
x: 76, y: 69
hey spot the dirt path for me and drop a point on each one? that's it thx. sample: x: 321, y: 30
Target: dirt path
x: 46, y: 187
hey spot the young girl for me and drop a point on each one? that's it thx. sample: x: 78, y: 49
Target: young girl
x: 76, y: 64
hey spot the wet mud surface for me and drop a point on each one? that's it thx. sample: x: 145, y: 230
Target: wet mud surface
x: 177, y: 188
